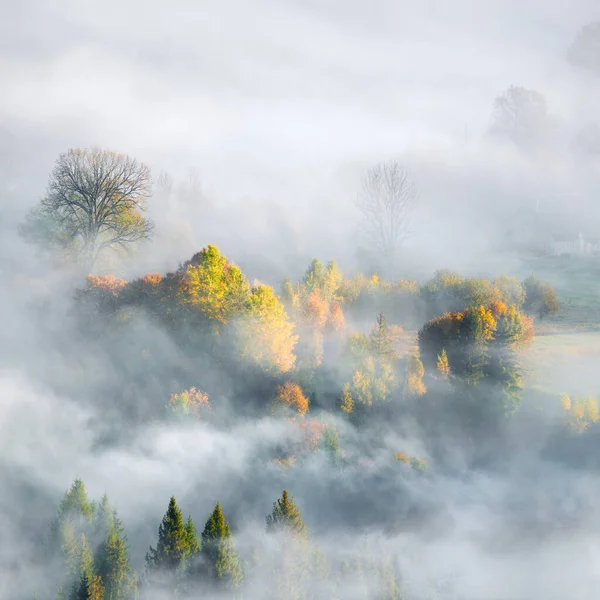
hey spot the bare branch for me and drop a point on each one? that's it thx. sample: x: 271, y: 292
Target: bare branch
x: 386, y: 200
x: 96, y: 200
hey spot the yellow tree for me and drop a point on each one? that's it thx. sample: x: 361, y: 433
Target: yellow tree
x: 290, y: 397
x: 266, y: 333
x: 217, y: 288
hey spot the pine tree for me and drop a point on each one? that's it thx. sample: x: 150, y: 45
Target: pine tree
x: 172, y: 547
x: 286, y: 517
x: 219, y: 550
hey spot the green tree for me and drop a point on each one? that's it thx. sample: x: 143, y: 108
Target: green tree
x: 219, y: 552
x: 113, y: 562
x: 94, y: 202
x: 286, y: 517
x: 314, y: 275
x: 540, y: 298
x: 172, y: 547
x: 217, y: 288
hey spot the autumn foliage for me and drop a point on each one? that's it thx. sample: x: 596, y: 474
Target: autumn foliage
x: 290, y: 398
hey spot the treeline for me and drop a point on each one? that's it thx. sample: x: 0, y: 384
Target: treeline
x: 88, y: 553
x: 347, y: 345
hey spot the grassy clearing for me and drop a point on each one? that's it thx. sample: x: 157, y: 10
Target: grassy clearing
x: 577, y: 283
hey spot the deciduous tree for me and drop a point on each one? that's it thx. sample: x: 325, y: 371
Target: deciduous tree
x: 95, y: 201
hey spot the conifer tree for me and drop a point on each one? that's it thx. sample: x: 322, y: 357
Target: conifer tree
x: 192, y: 536
x: 74, y: 516
x: 113, y: 562
x: 80, y: 589
x: 286, y: 517
x: 219, y: 550
x: 172, y: 546
x: 381, y: 342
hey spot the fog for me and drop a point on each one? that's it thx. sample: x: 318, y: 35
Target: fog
x: 265, y: 116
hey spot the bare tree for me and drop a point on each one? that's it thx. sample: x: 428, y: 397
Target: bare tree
x: 521, y: 115
x: 386, y: 200
x: 95, y: 201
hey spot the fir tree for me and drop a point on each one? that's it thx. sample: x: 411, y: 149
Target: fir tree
x: 286, y: 517
x: 219, y: 550
x: 172, y: 546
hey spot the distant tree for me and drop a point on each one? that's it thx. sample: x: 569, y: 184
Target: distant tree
x: 314, y: 275
x: 286, y: 517
x: 332, y: 280
x: 172, y: 548
x: 521, y: 115
x: 540, y: 298
x: 511, y: 290
x: 219, y: 551
x: 335, y: 319
x: 347, y: 401
x: 386, y: 201
x: 414, y: 376
x: 188, y: 404
x: 380, y: 339
x: 94, y: 202
x: 442, y: 365
x: 291, y: 397
x: 584, y: 52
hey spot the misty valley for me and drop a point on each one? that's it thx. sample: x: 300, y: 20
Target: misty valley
x: 301, y: 300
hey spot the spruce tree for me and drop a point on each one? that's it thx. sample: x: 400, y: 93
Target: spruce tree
x: 219, y: 552
x: 80, y: 589
x: 286, y: 517
x: 76, y: 505
x: 192, y: 536
x: 74, y: 516
x: 172, y: 546
x: 102, y: 521
x: 113, y: 562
